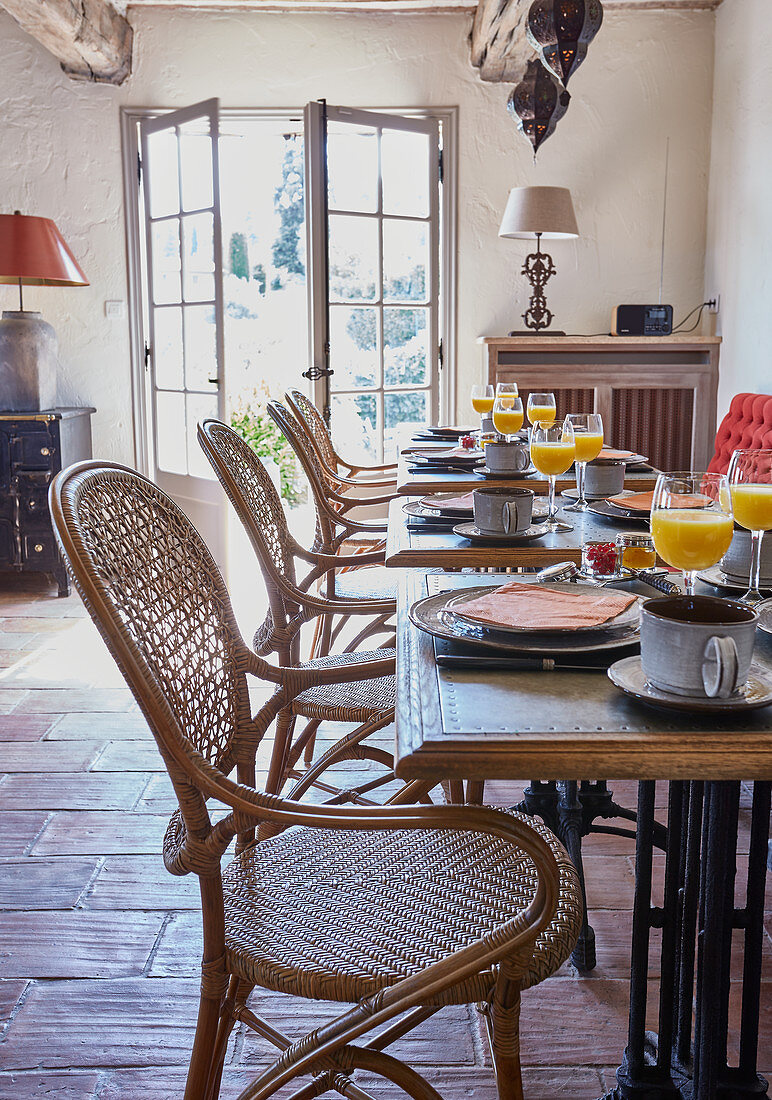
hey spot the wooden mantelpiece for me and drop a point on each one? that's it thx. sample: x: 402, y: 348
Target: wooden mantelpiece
x: 657, y: 395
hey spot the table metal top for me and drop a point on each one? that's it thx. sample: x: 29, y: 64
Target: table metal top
x: 554, y: 725
x: 436, y: 547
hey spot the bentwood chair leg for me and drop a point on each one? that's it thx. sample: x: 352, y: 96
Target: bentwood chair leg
x: 282, y: 737
x: 503, y: 1019
x: 201, y: 1059
x: 475, y: 791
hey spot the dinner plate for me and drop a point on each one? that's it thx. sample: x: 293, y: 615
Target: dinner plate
x: 434, y: 515
x: 450, y: 430
x: 633, y: 460
x: 429, y: 615
x: 613, y: 511
x: 474, y: 534
x: 756, y: 692
x: 440, y: 497
x: 765, y: 616
x: 573, y: 494
x: 627, y: 620
x: 436, y: 457
x: 719, y: 579
x: 509, y: 475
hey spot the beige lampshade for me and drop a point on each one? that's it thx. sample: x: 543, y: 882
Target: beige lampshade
x: 545, y: 210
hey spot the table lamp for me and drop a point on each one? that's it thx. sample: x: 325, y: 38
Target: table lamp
x: 538, y: 212
x: 32, y: 253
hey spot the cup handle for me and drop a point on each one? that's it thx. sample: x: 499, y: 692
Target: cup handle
x: 720, y: 667
x: 506, y: 518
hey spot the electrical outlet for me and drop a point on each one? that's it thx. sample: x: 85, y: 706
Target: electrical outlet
x: 115, y: 310
x: 715, y: 305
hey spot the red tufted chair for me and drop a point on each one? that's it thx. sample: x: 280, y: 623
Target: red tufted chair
x: 748, y: 424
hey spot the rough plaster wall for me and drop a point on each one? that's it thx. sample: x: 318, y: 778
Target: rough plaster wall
x: 647, y: 75
x: 740, y: 214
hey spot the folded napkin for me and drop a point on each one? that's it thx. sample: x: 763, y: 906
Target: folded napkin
x: 460, y: 452
x: 463, y: 503
x: 535, y: 608
x: 641, y: 502
x: 608, y: 452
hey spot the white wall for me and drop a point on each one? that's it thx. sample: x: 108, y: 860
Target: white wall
x: 740, y: 213
x: 648, y: 74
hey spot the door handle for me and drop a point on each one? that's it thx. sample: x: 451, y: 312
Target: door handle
x: 213, y: 381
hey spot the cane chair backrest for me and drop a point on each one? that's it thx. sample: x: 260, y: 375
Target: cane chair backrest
x: 310, y: 418
x: 160, y: 603
x: 298, y: 439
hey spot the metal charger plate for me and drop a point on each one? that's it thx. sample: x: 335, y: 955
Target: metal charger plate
x: 756, y: 692
x: 452, y: 516
x: 612, y: 511
x: 633, y: 460
x: 433, y: 456
x: 483, y: 471
x: 719, y: 579
x: 765, y: 616
x: 626, y: 620
x: 451, y: 431
x: 474, y: 534
x: 429, y: 615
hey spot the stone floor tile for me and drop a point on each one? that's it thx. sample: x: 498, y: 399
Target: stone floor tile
x: 77, y: 944
x: 50, y: 756
x: 32, y: 623
x: 15, y: 641
x: 18, y: 829
x: 10, y: 992
x: 72, y: 791
x: 60, y: 1086
x: 44, y: 883
x: 609, y: 881
x: 142, y: 882
x: 579, y: 1021
x: 178, y: 954
x: 58, y: 700
x: 130, y: 756
x: 101, y: 833
x: 24, y: 727
x: 10, y: 699
x: 113, y: 726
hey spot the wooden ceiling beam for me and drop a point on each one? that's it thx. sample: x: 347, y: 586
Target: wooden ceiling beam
x: 89, y: 37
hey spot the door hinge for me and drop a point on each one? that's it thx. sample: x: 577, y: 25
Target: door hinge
x: 441, y: 166
x: 441, y: 354
x: 148, y: 355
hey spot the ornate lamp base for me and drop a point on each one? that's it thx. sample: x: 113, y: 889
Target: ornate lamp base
x: 538, y: 269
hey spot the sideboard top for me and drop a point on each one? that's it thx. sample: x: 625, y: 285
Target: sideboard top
x: 618, y: 343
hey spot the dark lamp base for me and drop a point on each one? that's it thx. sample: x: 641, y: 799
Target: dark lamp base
x: 537, y: 332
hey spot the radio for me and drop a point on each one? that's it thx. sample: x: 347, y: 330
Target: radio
x: 642, y: 321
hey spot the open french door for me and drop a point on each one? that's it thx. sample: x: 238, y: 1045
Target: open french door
x: 183, y: 320
x: 373, y: 226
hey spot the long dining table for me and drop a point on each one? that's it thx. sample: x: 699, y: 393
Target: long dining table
x: 472, y: 724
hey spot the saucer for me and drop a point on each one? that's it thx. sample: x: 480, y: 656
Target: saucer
x: 508, y: 475
x: 474, y: 534
x: 756, y: 692
x: 719, y: 579
x: 765, y: 616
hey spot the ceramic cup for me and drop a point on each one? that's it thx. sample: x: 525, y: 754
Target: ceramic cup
x: 507, y: 458
x: 736, y: 562
x: 605, y: 479
x: 697, y: 645
x: 490, y: 505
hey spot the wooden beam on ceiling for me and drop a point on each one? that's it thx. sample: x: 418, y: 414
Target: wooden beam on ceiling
x: 89, y: 37
x: 500, y: 49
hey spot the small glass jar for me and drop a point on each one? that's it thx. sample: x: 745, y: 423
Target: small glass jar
x: 637, y: 551
x: 600, y: 558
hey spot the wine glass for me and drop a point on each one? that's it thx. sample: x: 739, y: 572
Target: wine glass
x: 507, y: 390
x: 588, y: 439
x: 508, y: 415
x: 552, y: 452
x: 482, y: 401
x: 691, y: 521
x: 750, y: 481
x: 541, y: 408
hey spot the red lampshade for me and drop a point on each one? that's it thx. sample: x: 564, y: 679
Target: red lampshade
x: 33, y: 252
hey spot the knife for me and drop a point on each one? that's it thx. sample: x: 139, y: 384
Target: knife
x: 533, y: 664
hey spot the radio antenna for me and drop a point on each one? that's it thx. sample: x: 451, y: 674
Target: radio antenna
x: 664, y: 217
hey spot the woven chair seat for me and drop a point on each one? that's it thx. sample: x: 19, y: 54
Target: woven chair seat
x: 348, y: 702
x: 339, y: 915
x: 373, y: 582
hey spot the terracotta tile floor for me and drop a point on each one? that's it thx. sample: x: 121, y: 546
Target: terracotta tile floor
x: 99, y: 945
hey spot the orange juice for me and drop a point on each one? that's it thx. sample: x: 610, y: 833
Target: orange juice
x: 552, y: 458
x: 507, y: 421
x: 588, y: 445
x: 542, y: 414
x: 689, y: 538
x: 482, y: 405
x: 753, y: 506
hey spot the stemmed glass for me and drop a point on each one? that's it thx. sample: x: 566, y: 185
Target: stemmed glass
x: 750, y: 480
x: 482, y: 401
x: 552, y: 452
x: 508, y: 415
x: 691, y: 521
x: 541, y: 408
x: 507, y: 390
x: 588, y: 439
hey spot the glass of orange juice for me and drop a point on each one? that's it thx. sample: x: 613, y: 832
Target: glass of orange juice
x: 552, y: 452
x: 508, y: 415
x: 750, y: 482
x: 588, y: 441
x: 506, y: 390
x: 482, y: 401
x: 691, y: 521
x: 541, y: 408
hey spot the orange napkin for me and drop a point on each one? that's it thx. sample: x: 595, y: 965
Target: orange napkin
x: 641, y: 502
x: 535, y: 608
x: 607, y: 452
x: 464, y: 503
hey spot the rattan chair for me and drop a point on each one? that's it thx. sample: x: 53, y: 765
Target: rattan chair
x: 400, y: 910
x: 346, y: 474
x: 370, y: 702
x: 334, y: 524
